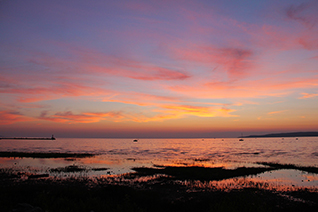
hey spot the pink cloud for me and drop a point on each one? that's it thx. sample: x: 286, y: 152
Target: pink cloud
x: 30, y: 88
x: 235, y: 61
x: 139, y: 72
x: 271, y: 86
x: 10, y: 117
x: 141, y: 99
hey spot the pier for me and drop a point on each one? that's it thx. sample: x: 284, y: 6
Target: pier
x: 28, y: 138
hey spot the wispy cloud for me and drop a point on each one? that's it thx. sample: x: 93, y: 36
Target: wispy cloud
x: 305, y: 13
x: 276, y: 112
x: 10, y: 117
x: 235, y: 61
x: 69, y: 117
x: 308, y: 95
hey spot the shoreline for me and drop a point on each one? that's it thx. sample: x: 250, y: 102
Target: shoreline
x: 154, y: 188
x: 150, y: 192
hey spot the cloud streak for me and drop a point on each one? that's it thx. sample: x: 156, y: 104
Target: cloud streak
x: 9, y: 117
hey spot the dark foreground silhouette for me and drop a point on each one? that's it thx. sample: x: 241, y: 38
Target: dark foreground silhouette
x: 149, y: 189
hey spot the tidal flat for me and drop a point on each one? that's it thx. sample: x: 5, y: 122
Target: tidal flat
x: 64, y: 182
x: 151, y: 189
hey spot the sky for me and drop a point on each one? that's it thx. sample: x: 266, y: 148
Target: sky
x: 146, y: 68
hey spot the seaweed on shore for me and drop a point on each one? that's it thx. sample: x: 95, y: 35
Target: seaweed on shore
x: 201, y: 173
x: 44, y: 155
x: 309, y: 169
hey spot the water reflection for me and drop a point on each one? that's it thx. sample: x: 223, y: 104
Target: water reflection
x: 119, y: 156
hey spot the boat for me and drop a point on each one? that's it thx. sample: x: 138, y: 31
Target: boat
x: 135, y: 140
x: 241, y: 139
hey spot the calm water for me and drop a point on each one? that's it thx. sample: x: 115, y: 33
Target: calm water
x: 120, y: 155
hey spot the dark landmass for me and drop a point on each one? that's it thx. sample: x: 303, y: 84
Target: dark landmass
x: 84, y: 194
x: 75, y: 168
x: 201, y: 173
x: 292, y: 134
x: 44, y: 155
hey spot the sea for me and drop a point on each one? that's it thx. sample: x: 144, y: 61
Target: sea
x: 120, y: 156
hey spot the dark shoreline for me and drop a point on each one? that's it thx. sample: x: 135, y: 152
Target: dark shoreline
x: 286, y: 135
x: 160, y: 188
x: 160, y: 193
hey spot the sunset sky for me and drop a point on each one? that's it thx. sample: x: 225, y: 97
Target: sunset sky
x: 206, y: 68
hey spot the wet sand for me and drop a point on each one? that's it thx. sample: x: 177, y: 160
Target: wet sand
x: 157, y: 188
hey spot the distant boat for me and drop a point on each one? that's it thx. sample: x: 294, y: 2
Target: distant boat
x: 241, y: 139
x: 135, y: 140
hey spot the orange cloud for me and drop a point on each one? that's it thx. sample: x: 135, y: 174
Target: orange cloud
x: 163, y: 112
x: 275, y: 112
x: 186, y: 110
x: 271, y: 86
x: 69, y: 117
x: 10, y: 117
x: 308, y: 95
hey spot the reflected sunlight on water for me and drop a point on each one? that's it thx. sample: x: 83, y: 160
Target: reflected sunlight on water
x: 119, y: 156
